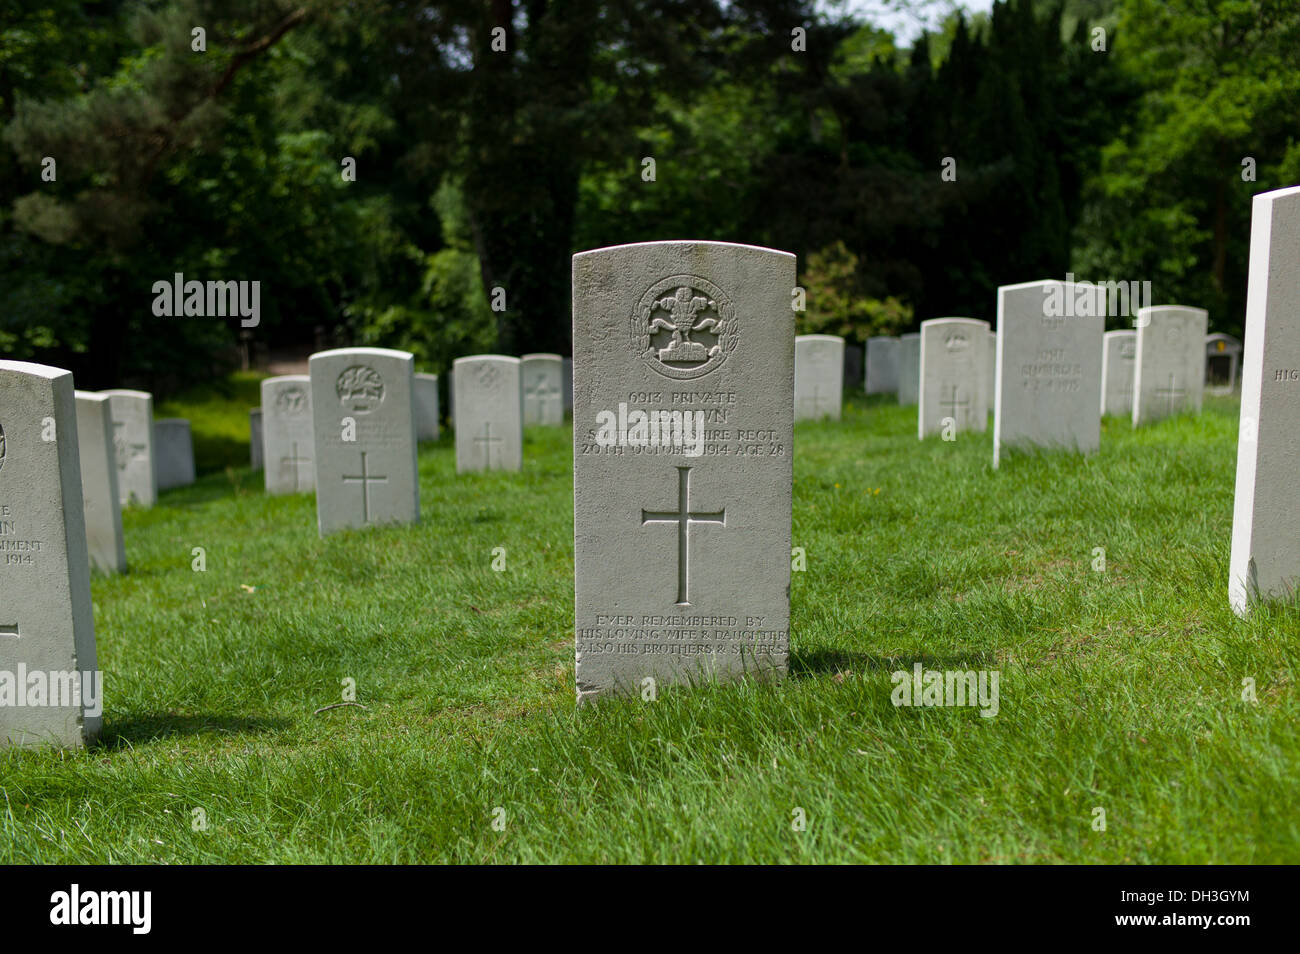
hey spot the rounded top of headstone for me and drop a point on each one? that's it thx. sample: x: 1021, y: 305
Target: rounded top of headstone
x: 485, y: 357
x: 390, y: 353
x: 835, y: 338
x: 287, y: 378
x: 1037, y: 283
x: 939, y: 322
x: 1153, y: 310
x: 33, y: 369
x: 1288, y: 195
x: 684, y: 244
x: 1121, y: 333
x: 127, y: 392
x: 541, y: 356
x: 96, y: 396
x: 909, y: 336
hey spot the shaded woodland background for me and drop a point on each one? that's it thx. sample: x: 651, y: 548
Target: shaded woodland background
x: 478, y: 169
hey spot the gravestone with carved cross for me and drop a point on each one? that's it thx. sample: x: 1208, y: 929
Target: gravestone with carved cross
x: 818, y: 376
x: 48, y: 670
x: 1265, y: 559
x: 489, y: 413
x: 954, y: 362
x: 543, y: 383
x: 137, y: 480
x: 1169, y: 363
x: 287, y: 434
x: 363, y: 423
x: 682, y: 553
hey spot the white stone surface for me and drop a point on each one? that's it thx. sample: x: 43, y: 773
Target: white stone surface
x: 102, y: 506
x: 489, y: 413
x: 1169, y: 369
x: 46, y: 625
x: 137, y: 482
x: 287, y: 434
x: 542, y: 378
x: 363, y: 422
x: 568, y: 385
x: 1265, y: 559
x: 174, y: 452
x: 818, y: 376
x: 682, y: 562
x: 426, y: 407
x: 1119, y: 349
x: 882, y: 365
x: 954, y: 358
x: 909, y: 369
x: 991, y: 371
x: 1049, y: 367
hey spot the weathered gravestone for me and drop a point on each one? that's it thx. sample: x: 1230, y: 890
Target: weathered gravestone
x: 1049, y: 367
x: 1222, y: 361
x: 426, y: 407
x: 363, y: 423
x: 568, y: 385
x: 853, y: 366
x: 1169, y: 369
x: 1265, y: 560
x: 137, y: 482
x: 909, y: 369
x: 818, y: 385
x: 991, y: 371
x: 255, y: 446
x: 542, y: 377
x: 954, y: 356
x: 1119, y: 348
x: 682, y: 536
x: 102, y: 507
x: 489, y: 413
x: 49, y: 680
x: 287, y: 434
x: 174, y: 452
x: 882, y: 365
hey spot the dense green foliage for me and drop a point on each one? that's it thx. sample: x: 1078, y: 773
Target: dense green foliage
x: 492, y: 140
x: 1120, y: 689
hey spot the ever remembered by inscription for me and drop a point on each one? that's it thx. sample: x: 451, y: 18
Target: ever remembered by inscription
x: 682, y: 463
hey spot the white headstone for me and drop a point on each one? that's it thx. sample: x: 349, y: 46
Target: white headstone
x: 682, y: 560
x: 909, y: 369
x: 426, y: 407
x: 364, y: 428
x: 47, y: 632
x: 818, y: 376
x: 489, y: 413
x: 1169, y: 369
x: 1119, y: 349
x: 103, y: 508
x: 543, y: 383
x: 882, y: 365
x: 954, y: 356
x: 287, y: 434
x: 1222, y: 364
x: 1265, y: 560
x: 1049, y: 367
x: 174, y: 452
x: 137, y: 482
x: 256, y: 450
x: 991, y: 371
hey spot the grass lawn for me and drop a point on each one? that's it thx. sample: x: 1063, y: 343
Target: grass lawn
x: 1120, y: 690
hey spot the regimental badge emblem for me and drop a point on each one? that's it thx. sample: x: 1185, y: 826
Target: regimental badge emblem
x: 293, y: 401
x: 2, y: 446
x: 488, y: 374
x: 1127, y: 350
x: 957, y: 341
x: 684, y: 327
x: 360, y: 389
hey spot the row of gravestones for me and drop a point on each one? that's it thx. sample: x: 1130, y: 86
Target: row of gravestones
x: 949, y: 368
x: 682, y: 555
x: 897, y: 364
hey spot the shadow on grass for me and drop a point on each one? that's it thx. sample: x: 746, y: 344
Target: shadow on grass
x: 151, y: 727
x: 818, y: 662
